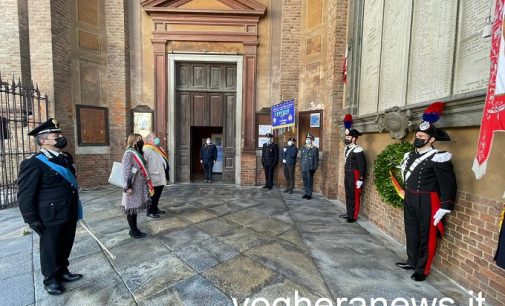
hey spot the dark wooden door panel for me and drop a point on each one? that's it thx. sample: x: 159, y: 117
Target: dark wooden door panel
x: 229, y: 139
x: 199, y: 109
x: 216, y: 109
x: 205, y: 98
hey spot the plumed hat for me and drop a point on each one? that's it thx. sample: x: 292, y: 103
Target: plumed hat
x: 348, y: 124
x: 430, y: 116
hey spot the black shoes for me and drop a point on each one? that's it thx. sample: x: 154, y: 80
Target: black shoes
x: 344, y: 216
x: 304, y: 196
x: 54, y: 288
x: 137, y: 234
x: 290, y: 192
x: 206, y: 181
x: 350, y: 220
x: 69, y: 277
x: 308, y: 197
x: 405, y: 265
x: 160, y: 211
x: 418, y: 277
x: 153, y: 215
x: 286, y: 190
x: 265, y: 186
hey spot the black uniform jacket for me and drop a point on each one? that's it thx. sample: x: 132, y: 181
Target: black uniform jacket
x: 355, y: 160
x: 208, y: 152
x: 44, y: 195
x: 433, y: 174
x: 269, y: 154
x: 290, y: 155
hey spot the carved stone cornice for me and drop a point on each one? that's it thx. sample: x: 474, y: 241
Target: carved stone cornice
x: 459, y: 111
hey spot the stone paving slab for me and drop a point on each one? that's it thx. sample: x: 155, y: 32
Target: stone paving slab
x: 216, y: 242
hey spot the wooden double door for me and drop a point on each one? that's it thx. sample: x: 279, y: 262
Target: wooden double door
x: 205, y: 98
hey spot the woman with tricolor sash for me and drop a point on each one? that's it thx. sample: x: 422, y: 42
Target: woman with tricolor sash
x: 137, y: 183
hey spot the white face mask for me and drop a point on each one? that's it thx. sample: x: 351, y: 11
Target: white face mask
x: 308, y: 141
x: 208, y: 142
x: 290, y: 143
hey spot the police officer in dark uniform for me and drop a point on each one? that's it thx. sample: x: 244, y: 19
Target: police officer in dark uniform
x: 500, y: 250
x: 208, y: 157
x: 310, y: 162
x: 430, y: 192
x: 289, y: 161
x: 49, y: 204
x: 269, y: 159
x: 354, y: 174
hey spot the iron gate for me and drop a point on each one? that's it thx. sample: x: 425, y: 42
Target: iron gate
x: 22, y: 108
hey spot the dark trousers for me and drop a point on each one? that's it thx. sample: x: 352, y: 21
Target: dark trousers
x: 308, y: 181
x: 153, y: 208
x: 55, y: 247
x: 289, y: 173
x: 269, y: 176
x: 420, y: 232
x: 132, y: 223
x: 207, y: 166
x: 352, y: 194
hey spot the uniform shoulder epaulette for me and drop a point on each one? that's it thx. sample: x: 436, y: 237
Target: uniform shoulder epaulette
x: 358, y: 149
x: 31, y: 155
x: 442, y: 157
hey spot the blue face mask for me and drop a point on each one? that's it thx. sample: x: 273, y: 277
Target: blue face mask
x: 157, y: 141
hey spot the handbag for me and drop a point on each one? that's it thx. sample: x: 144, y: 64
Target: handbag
x: 116, y: 175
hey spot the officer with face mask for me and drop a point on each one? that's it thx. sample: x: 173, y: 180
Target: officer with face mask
x: 269, y: 159
x: 208, y: 157
x: 289, y: 161
x: 354, y: 174
x: 49, y: 203
x: 430, y: 192
x: 310, y: 162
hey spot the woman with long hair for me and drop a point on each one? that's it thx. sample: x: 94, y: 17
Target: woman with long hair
x: 137, y: 183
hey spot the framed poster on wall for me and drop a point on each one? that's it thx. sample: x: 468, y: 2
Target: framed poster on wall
x: 311, y: 122
x: 92, y: 125
x: 142, y: 120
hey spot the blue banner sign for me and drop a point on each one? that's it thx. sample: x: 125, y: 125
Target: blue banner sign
x: 283, y: 114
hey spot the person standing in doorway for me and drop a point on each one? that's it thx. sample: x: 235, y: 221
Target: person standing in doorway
x: 49, y: 202
x: 157, y: 165
x: 310, y: 162
x: 354, y: 171
x: 208, y: 157
x: 269, y: 159
x: 289, y: 161
x: 137, y: 186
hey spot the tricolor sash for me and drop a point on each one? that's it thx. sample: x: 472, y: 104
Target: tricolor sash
x: 158, y: 150
x: 68, y: 176
x: 139, y: 159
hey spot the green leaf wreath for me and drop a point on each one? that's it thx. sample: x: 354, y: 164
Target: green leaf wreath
x: 389, y: 159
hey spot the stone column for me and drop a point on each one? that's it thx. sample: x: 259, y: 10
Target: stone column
x: 160, y: 98
x: 118, y: 75
x: 50, y: 57
x: 15, y: 50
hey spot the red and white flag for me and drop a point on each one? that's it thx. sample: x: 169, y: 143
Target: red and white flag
x: 493, y: 116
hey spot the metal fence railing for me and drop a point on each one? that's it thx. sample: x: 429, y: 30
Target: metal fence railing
x: 22, y: 108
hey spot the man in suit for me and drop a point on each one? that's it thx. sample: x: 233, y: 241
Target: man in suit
x: 269, y: 159
x: 310, y: 162
x: 354, y: 174
x: 289, y: 161
x: 49, y: 202
x: 208, y: 157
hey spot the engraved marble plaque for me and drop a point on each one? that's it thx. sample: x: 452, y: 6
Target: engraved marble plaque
x: 395, y: 53
x: 432, y: 50
x: 370, y: 58
x: 472, y: 51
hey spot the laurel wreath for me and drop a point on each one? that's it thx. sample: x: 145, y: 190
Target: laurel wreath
x: 390, y: 159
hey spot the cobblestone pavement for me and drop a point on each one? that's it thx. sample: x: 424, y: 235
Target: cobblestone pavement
x: 217, y: 242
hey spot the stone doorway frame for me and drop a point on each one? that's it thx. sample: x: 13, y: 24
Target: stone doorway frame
x: 171, y: 122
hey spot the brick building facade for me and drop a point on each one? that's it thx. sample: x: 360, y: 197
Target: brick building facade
x: 117, y: 54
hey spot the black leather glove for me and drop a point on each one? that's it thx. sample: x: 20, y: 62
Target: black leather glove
x: 37, y: 227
